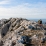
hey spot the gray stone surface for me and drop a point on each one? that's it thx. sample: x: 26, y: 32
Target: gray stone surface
x: 12, y: 29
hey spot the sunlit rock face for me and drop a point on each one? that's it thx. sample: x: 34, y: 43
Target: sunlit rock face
x: 21, y: 32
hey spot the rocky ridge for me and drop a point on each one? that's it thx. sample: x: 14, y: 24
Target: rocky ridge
x: 21, y: 32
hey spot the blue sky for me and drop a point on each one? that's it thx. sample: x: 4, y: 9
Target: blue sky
x: 31, y: 9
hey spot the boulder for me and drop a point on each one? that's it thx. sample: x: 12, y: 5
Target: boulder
x: 1, y: 43
x: 12, y: 20
x: 15, y: 22
x: 40, y: 21
x: 5, y: 29
x: 43, y: 40
x: 45, y: 33
x: 1, y: 25
x: 19, y: 44
x: 24, y: 40
x: 17, y: 26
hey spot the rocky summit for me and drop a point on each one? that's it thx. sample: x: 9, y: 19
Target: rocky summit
x: 22, y: 32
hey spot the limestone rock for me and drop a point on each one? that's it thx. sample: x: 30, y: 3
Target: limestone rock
x: 5, y: 29
x: 12, y: 31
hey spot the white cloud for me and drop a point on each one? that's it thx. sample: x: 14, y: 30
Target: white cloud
x: 4, y: 2
x: 23, y: 11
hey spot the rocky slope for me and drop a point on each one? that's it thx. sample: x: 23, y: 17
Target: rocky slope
x: 21, y: 32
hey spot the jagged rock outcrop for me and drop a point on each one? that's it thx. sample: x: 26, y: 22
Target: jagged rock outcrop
x: 14, y: 32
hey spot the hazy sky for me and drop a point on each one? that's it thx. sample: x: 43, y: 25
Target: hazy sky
x: 32, y: 9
